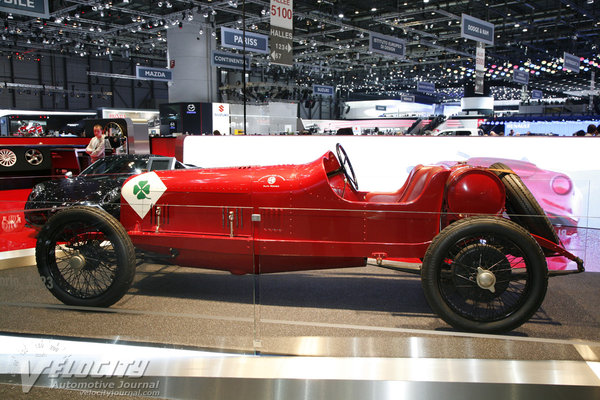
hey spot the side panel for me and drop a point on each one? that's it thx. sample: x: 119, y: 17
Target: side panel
x: 202, y: 251
x: 303, y: 224
x: 321, y: 229
x: 203, y: 218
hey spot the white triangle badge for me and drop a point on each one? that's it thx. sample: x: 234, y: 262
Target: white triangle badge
x: 143, y: 191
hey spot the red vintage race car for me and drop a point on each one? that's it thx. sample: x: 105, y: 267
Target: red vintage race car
x: 480, y: 271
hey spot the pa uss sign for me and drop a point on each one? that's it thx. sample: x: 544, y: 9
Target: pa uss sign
x: 154, y: 74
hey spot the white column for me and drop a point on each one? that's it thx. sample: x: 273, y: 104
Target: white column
x: 194, y: 78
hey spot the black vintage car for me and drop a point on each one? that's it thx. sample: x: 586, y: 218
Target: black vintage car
x: 97, y: 185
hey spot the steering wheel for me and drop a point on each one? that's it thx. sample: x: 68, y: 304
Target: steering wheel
x: 346, y: 166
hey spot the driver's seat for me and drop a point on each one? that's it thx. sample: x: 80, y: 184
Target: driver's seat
x: 412, y: 188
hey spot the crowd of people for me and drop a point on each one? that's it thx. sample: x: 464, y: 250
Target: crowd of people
x: 592, y: 130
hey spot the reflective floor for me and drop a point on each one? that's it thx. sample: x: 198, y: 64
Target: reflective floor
x: 76, y: 368
x: 328, y: 333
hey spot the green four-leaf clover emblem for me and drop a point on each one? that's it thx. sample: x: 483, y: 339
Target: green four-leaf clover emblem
x: 142, y: 190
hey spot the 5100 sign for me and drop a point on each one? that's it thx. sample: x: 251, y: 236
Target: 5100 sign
x: 281, y: 12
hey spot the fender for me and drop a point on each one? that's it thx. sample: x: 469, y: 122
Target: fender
x: 472, y: 191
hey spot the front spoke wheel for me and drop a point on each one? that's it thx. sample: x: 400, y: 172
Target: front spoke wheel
x: 87, y: 257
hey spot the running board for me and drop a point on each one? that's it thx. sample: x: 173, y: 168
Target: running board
x: 149, y: 257
x: 417, y: 269
x: 411, y: 270
x: 552, y: 274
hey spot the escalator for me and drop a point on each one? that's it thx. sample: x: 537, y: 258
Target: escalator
x: 434, y: 123
x: 414, y: 128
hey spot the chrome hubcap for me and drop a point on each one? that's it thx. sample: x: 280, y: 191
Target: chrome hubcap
x: 77, y: 262
x: 486, y: 279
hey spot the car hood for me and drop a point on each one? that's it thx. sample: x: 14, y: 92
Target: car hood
x: 76, y: 190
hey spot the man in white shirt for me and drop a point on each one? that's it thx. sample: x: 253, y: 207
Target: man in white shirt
x: 97, y: 146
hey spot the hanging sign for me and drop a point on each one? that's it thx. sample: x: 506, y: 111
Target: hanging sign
x: 281, y: 32
x: 32, y: 8
x: 426, y: 87
x: 234, y: 39
x: 571, y: 63
x: 387, y: 45
x: 477, y: 29
x: 521, y: 76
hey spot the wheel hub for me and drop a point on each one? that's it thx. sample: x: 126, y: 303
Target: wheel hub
x: 486, y: 279
x: 481, y: 272
x: 77, y: 262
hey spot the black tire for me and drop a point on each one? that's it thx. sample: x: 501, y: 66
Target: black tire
x: 95, y: 264
x: 451, y: 279
x: 521, y: 205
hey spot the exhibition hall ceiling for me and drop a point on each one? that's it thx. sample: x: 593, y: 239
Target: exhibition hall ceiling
x: 331, y: 39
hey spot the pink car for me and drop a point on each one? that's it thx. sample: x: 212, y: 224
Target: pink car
x: 553, y: 190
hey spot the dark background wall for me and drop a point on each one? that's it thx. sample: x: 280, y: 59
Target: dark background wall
x: 81, y: 91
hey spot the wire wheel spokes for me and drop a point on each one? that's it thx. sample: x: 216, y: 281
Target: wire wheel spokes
x: 85, y: 262
x: 114, y: 129
x: 484, y: 277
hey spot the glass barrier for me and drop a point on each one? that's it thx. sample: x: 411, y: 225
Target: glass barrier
x: 232, y: 261
x: 336, y: 308
x: 90, y: 277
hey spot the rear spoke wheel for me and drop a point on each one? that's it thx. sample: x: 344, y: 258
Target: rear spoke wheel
x: 484, y: 274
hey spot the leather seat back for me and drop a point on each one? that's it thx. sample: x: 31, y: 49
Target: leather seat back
x: 413, y: 187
